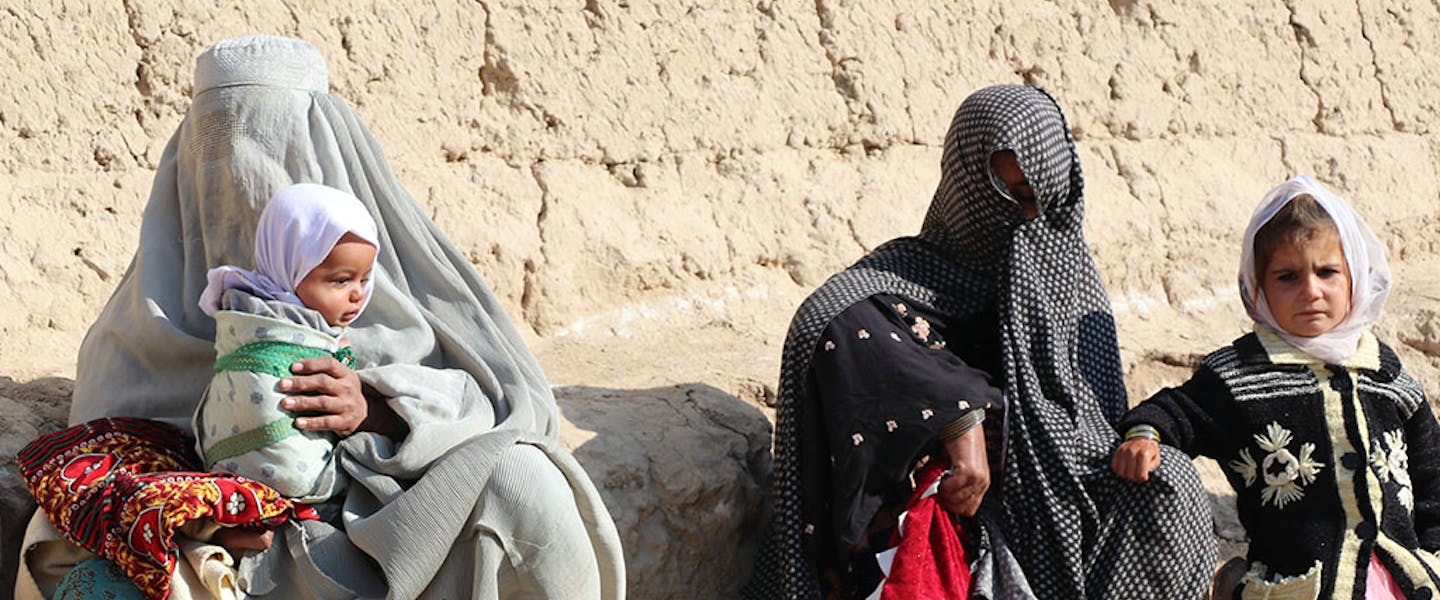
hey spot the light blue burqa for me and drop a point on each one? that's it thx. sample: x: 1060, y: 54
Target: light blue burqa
x: 480, y: 500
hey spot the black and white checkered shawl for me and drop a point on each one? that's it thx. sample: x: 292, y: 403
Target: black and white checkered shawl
x: 1065, y: 516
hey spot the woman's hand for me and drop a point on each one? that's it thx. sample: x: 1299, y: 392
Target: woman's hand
x: 334, y: 389
x: 961, y: 491
x: 1136, y: 459
x: 331, y: 388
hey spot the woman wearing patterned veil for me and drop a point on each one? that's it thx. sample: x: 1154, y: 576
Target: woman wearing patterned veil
x: 986, y: 341
x: 467, y: 493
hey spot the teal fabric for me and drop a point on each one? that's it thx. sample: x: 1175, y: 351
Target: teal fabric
x: 96, y: 578
x: 275, y: 358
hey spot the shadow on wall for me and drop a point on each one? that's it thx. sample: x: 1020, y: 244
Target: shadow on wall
x: 27, y: 411
x: 685, y: 473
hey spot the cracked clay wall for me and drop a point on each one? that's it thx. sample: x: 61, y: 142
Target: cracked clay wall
x: 591, y: 155
x: 652, y: 187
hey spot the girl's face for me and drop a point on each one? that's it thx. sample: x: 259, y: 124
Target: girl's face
x: 336, y: 287
x: 1307, y: 285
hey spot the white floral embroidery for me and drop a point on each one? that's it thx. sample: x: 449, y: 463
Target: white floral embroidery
x: 926, y: 414
x: 236, y: 504
x: 1284, y: 473
x: 857, y: 438
x: 894, y: 336
x: 829, y: 345
x: 1245, y: 467
x: 921, y: 328
x: 809, y: 528
x: 890, y: 425
x: 1380, y: 462
x: 862, y: 334
x: 1392, y: 462
x: 940, y: 345
x: 964, y: 405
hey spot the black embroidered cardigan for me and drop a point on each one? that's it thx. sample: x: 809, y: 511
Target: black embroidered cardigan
x: 1329, y: 463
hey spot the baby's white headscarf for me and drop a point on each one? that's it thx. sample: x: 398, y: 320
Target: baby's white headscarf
x: 297, y: 230
x: 1369, y: 272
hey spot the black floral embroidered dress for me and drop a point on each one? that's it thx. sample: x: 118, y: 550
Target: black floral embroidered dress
x: 886, y: 377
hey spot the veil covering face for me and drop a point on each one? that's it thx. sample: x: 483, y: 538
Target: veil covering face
x: 262, y: 119
x: 433, y: 339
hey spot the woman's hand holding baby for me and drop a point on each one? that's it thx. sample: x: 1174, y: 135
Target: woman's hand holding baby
x: 1136, y: 459
x: 331, y: 387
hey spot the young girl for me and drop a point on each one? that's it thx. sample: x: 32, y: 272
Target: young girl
x: 315, y: 247
x: 1330, y: 445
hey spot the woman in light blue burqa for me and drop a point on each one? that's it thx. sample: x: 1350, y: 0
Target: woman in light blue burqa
x: 474, y: 497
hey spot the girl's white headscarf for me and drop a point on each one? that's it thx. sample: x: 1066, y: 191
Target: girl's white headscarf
x: 297, y: 230
x: 1369, y: 272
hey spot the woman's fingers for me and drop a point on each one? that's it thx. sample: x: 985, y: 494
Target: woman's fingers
x: 1128, y: 469
x: 963, y: 490
x: 338, y: 414
x: 1152, y: 461
x: 1136, y: 471
x: 324, y: 364
x: 325, y: 385
x: 1135, y: 459
x: 309, y: 384
x: 324, y: 404
x: 343, y: 424
x: 323, y: 375
x: 318, y: 383
x: 970, y: 497
x: 1117, y: 464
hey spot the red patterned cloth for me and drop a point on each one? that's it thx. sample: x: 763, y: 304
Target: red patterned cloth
x: 929, y: 558
x: 122, y: 487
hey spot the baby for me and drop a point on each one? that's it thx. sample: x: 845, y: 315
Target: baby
x: 1330, y: 445
x: 315, y: 247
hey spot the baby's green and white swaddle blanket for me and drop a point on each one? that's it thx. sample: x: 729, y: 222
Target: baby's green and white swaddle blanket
x: 240, y: 426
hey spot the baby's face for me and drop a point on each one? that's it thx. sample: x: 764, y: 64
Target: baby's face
x: 336, y: 288
x: 1307, y: 286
